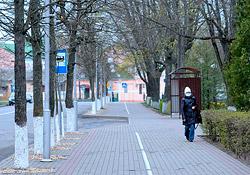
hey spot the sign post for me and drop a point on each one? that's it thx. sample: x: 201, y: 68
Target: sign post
x: 61, y: 68
x: 124, y: 85
x: 61, y: 62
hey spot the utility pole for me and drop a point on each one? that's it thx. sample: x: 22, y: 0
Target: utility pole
x: 75, y: 100
x: 46, y: 124
x: 96, y: 78
x: 101, y: 98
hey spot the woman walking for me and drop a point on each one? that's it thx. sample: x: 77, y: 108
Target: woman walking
x: 188, y: 110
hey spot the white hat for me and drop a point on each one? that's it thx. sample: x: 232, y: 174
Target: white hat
x: 187, y: 89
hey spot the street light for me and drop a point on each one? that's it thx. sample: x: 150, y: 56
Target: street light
x: 46, y: 123
x: 94, y: 105
x: 75, y: 100
x: 94, y: 108
x: 110, y: 60
x: 96, y: 78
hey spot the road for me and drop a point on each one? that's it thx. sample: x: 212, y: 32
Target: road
x: 7, y: 131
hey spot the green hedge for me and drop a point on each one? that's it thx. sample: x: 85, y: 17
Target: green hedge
x: 160, y: 105
x: 231, y: 129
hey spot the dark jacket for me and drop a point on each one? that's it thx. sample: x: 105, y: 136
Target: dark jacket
x: 186, y: 109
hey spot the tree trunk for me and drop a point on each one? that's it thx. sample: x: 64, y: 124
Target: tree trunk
x: 21, y: 136
x: 53, y: 53
x: 37, y: 77
x: 167, y: 83
x: 181, y: 57
x: 154, y: 89
x: 92, y: 85
x: 70, y: 74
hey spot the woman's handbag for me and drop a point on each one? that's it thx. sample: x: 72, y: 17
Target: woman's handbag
x: 198, y: 118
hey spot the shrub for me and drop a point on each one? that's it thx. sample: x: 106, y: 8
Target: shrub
x: 219, y: 105
x: 160, y: 105
x: 230, y: 128
x: 169, y: 108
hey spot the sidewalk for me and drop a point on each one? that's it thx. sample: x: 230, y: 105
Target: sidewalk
x: 117, y: 150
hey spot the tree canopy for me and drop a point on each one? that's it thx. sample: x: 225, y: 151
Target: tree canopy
x: 237, y: 73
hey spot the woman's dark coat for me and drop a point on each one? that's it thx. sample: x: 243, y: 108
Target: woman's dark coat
x: 186, y: 109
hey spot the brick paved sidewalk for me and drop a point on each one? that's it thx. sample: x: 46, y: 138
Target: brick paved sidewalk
x: 115, y: 149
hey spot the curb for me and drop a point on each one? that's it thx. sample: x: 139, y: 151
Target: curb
x: 106, y: 117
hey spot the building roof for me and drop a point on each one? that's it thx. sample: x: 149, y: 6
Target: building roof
x: 7, y: 59
x: 10, y: 47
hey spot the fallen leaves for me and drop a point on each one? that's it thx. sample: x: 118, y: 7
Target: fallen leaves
x: 29, y: 170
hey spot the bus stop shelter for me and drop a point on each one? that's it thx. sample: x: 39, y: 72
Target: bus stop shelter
x: 179, y: 79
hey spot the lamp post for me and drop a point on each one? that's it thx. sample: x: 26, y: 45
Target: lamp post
x: 96, y: 78
x: 75, y: 100
x: 46, y: 124
x: 105, y: 87
x: 110, y: 60
x: 101, y: 87
x: 118, y: 87
x: 94, y: 104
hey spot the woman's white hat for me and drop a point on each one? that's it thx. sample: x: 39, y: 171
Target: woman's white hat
x: 187, y: 89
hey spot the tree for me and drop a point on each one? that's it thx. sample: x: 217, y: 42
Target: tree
x: 142, y: 41
x: 52, y: 59
x: 21, y: 140
x: 220, y: 19
x: 36, y: 41
x: 237, y: 72
x: 88, y: 53
x: 202, y: 57
x: 71, y: 15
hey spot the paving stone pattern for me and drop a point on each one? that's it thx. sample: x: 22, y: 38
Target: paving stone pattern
x: 114, y: 149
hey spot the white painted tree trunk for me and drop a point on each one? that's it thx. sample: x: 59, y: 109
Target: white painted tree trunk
x: 93, y: 108
x: 148, y: 99
x: 57, y: 129
x: 38, y: 135
x: 52, y: 133
x: 21, y: 147
x: 164, y: 108
x: 155, y: 105
x: 104, y: 101
x: 70, y: 120
x: 98, y: 104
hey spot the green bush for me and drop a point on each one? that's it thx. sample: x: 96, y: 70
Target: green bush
x: 150, y: 101
x: 160, y: 105
x: 230, y: 128
x: 169, y: 108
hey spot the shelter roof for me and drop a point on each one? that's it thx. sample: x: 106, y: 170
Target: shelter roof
x: 185, y: 70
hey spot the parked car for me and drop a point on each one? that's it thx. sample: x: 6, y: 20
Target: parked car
x: 28, y: 98
x: 12, y: 98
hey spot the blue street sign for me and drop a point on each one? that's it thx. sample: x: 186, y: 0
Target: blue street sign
x: 61, y: 62
x: 83, y: 88
x: 13, y: 87
x: 124, y: 85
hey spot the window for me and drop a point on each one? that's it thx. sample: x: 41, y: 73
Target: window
x: 140, y: 88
